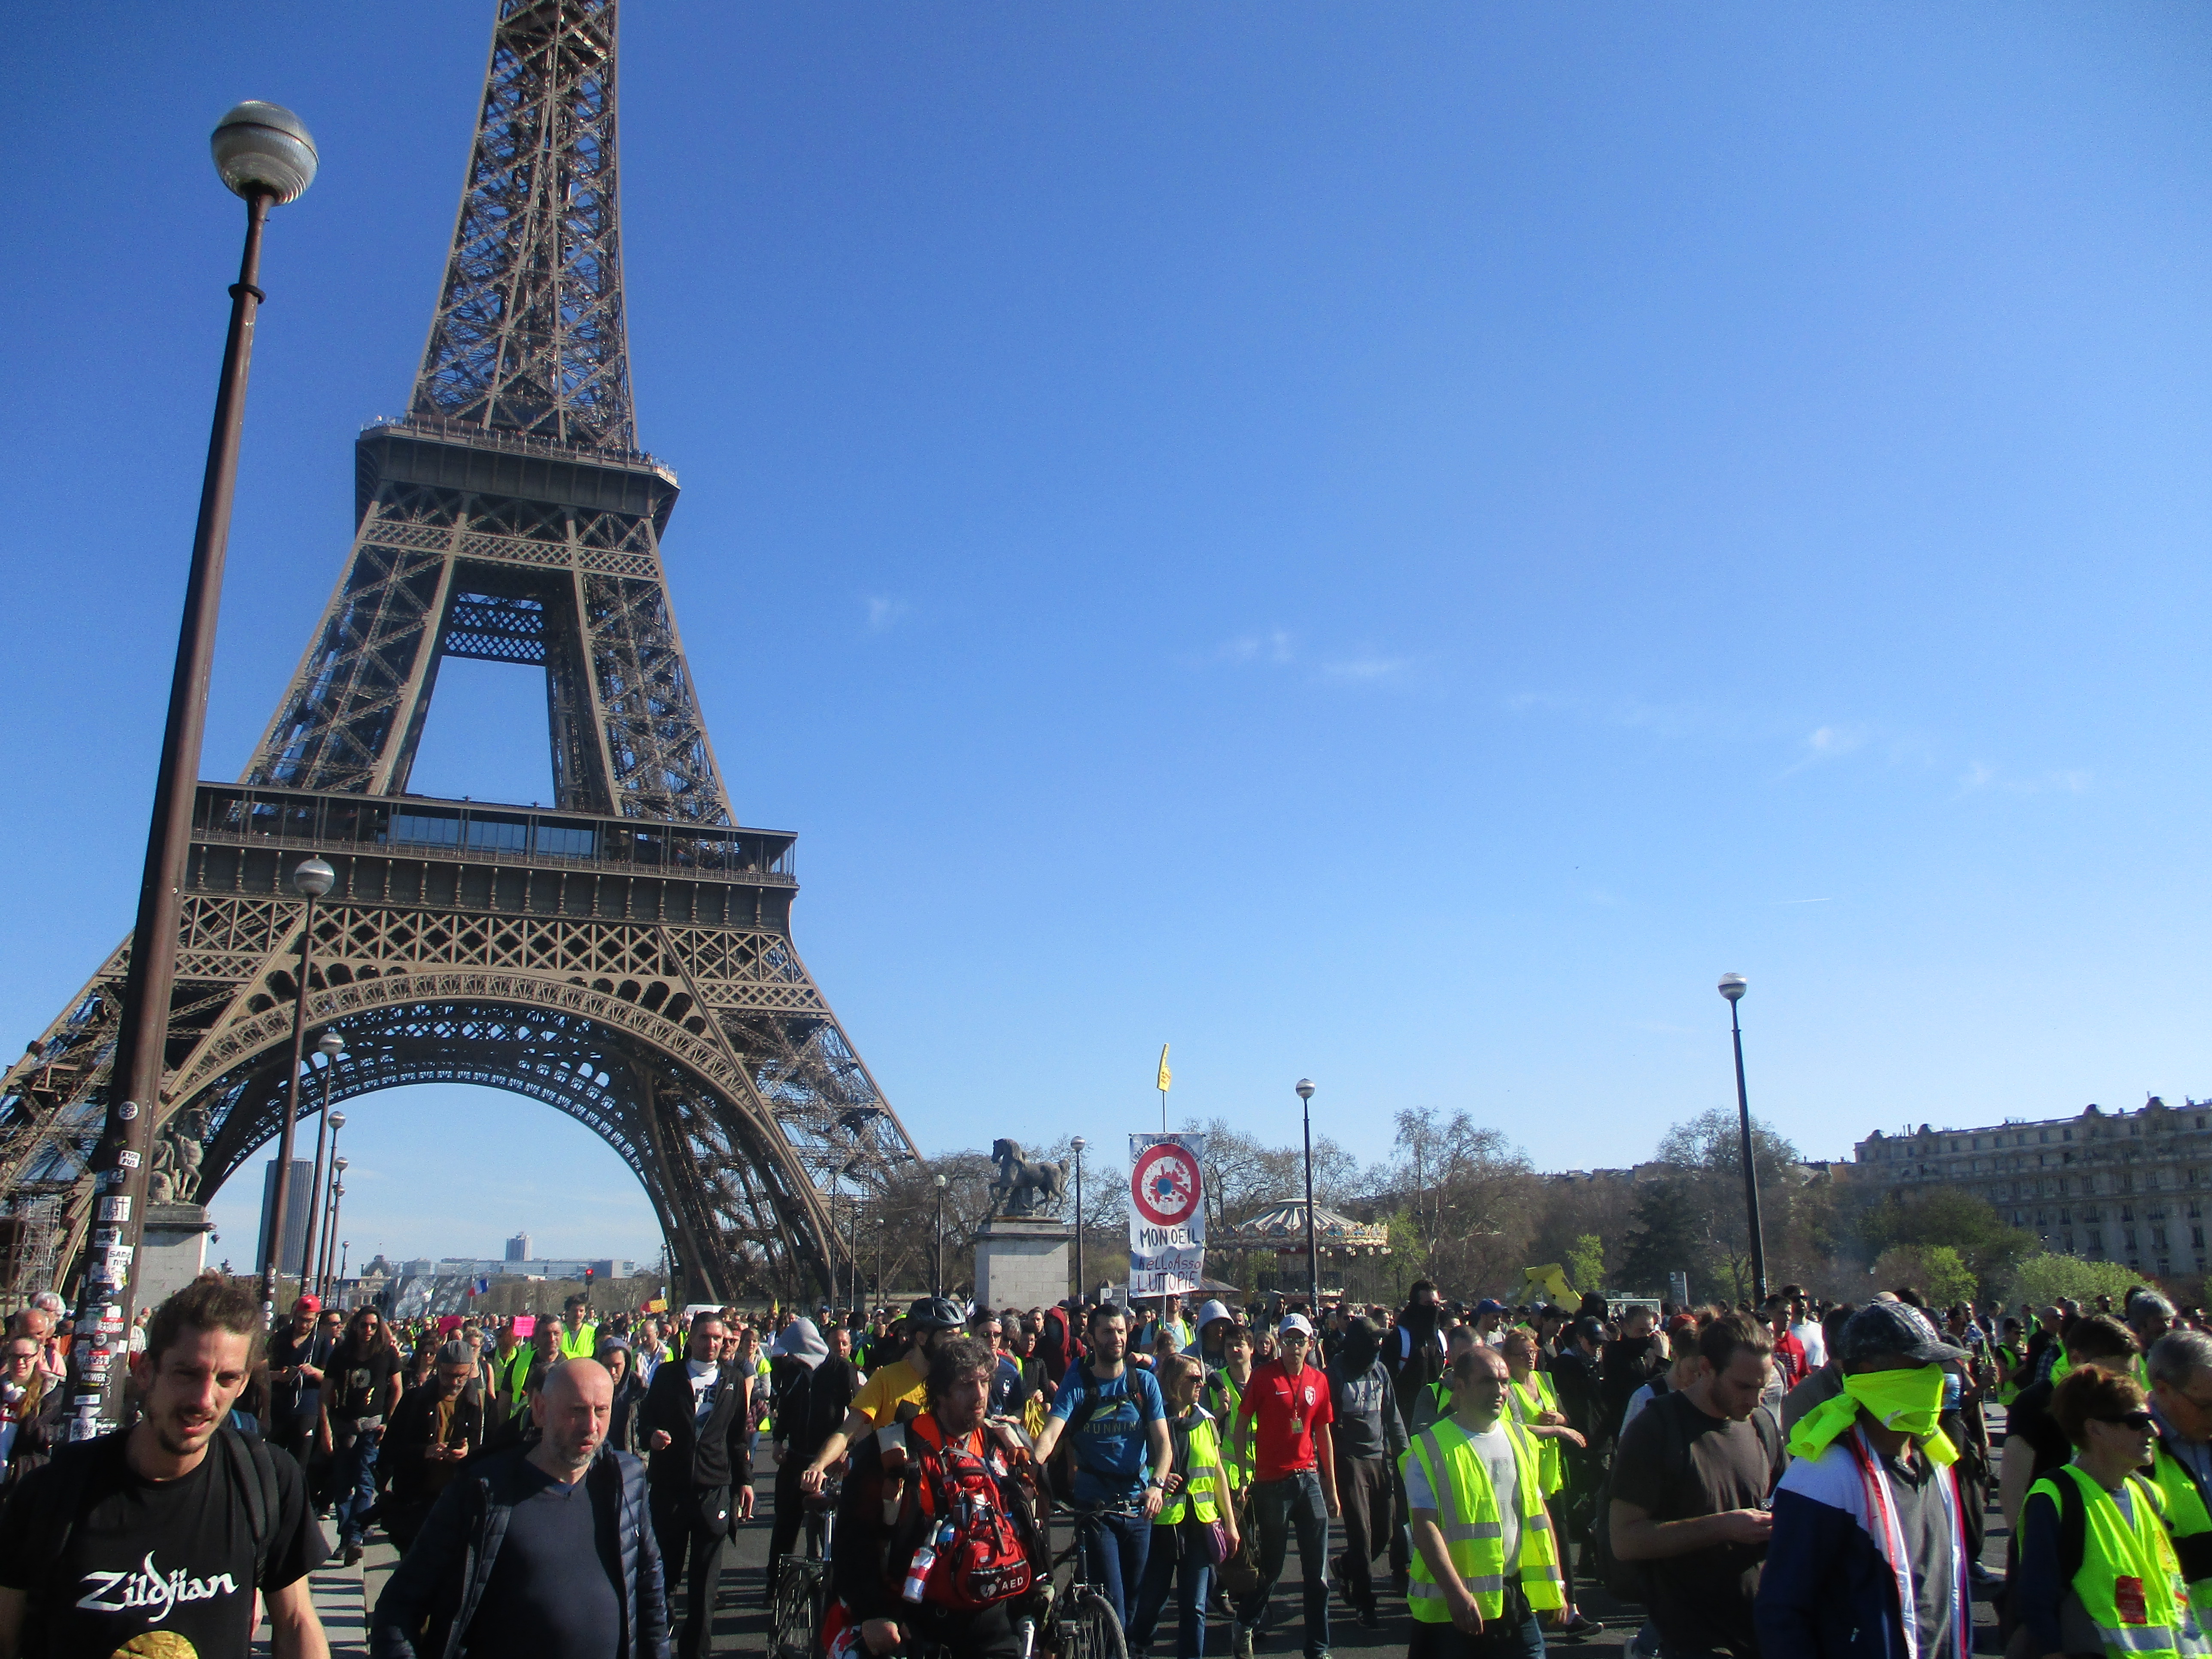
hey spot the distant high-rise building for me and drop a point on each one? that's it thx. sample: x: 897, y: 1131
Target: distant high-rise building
x: 298, y: 1198
x: 517, y: 1248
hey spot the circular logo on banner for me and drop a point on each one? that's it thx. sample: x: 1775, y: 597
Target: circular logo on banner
x: 1164, y: 1187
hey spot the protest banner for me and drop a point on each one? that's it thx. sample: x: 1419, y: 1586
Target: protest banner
x: 1167, y: 1214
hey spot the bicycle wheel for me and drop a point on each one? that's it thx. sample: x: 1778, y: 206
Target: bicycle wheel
x: 1088, y: 1628
x: 795, y: 1620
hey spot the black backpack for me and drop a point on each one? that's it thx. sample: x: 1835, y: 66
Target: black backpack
x: 1629, y: 1581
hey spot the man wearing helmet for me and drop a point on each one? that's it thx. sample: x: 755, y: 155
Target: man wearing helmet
x: 896, y: 1392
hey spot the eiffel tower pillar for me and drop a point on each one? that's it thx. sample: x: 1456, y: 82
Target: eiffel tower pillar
x: 624, y: 955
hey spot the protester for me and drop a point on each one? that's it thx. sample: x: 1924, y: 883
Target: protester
x: 31, y: 1403
x: 1416, y: 1353
x: 544, y: 1553
x: 697, y: 1426
x: 1485, y: 1559
x: 96, y: 1546
x: 625, y: 1432
x: 1869, y: 1506
x: 1368, y: 1437
x: 1120, y: 1450
x: 1627, y: 1364
x: 876, y: 1556
x: 361, y: 1391
x: 893, y: 1387
x: 2034, y: 1444
x: 2123, y: 1588
x: 510, y: 1368
x: 1284, y: 1419
x: 1194, y: 1501
x: 435, y: 1428
x: 798, y: 1353
x: 1690, y: 1482
x: 2181, y: 1367
x: 297, y: 1357
x: 1532, y: 1405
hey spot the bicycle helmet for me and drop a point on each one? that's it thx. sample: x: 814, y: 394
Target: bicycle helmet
x: 932, y: 1313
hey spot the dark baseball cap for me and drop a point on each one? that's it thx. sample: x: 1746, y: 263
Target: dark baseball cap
x: 1883, y: 1328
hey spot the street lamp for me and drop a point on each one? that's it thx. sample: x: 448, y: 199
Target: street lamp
x: 1076, y: 1146
x: 264, y: 153
x: 1732, y: 987
x: 330, y: 1046
x: 325, y: 1214
x: 1313, y: 1252
x: 311, y: 879
x: 337, y: 1196
x: 936, y: 1271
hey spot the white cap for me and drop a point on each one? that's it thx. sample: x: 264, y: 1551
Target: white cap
x: 1294, y: 1322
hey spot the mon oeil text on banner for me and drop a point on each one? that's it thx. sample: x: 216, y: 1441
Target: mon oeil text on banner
x: 1167, y: 1214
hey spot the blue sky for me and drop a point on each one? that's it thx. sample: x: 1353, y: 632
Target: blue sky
x: 1388, y: 546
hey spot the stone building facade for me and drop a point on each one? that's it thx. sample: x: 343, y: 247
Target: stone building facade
x: 2109, y: 1186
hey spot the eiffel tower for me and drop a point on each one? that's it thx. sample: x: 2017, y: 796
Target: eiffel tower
x: 624, y: 955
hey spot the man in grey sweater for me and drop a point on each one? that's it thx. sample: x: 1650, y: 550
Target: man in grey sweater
x: 1368, y: 1436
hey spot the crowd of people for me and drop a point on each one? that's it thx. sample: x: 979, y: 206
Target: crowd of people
x: 1798, y: 1478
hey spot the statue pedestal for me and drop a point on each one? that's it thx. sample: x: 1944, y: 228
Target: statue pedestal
x: 1021, y: 1261
x: 172, y: 1250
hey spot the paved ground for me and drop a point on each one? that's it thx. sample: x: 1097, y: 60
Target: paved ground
x: 342, y: 1595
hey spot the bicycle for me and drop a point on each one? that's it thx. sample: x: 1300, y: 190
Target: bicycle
x: 802, y: 1589
x: 1082, y: 1624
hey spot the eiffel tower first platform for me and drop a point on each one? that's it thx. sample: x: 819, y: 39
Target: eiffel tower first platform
x: 625, y: 955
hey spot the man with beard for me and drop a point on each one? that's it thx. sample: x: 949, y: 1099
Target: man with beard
x: 897, y: 1391
x: 435, y: 1429
x: 169, y: 1527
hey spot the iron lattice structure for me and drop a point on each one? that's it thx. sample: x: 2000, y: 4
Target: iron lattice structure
x: 625, y: 955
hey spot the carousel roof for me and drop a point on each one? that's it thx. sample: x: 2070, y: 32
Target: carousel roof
x: 1283, y: 1227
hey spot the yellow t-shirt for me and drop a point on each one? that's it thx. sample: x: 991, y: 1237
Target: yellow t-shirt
x: 892, y: 1387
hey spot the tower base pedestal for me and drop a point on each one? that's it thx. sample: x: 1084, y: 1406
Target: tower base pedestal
x: 1021, y: 1261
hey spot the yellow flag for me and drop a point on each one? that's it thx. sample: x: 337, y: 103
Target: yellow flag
x: 1162, y: 1085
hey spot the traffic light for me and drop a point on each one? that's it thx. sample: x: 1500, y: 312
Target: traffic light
x: 587, y: 1279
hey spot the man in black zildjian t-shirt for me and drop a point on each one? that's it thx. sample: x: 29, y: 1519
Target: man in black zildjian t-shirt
x: 151, y: 1531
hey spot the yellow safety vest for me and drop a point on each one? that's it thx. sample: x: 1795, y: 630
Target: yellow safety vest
x: 581, y: 1345
x: 1474, y: 1535
x: 1238, y: 1469
x: 513, y: 1371
x: 2186, y: 1518
x: 1527, y: 1403
x: 2112, y: 1549
x: 2008, y: 1390
x: 1205, y: 1451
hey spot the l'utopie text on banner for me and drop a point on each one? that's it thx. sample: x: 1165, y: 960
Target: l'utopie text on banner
x: 1167, y: 1214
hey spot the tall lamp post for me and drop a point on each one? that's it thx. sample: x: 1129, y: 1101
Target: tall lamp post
x: 1076, y: 1146
x: 1733, y: 987
x: 330, y: 1046
x: 311, y: 879
x: 265, y: 155
x: 326, y: 1213
x: 337, y: 1196
x: 1313, y: 1250
x: 937, y: 1269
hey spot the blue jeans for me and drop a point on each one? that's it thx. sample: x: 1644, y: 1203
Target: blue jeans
x: 354, y: 1452
x: 1277, y: 1505
x: 1114, y: 1551
x: 1178, y: 1561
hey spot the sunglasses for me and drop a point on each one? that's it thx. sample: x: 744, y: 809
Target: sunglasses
x: 2137, y: 1421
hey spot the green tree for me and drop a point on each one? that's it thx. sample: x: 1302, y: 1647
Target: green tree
x: 2043, y: 1279
x: 1946, y: 1216
x: 1668, y: 1235
x: 1707, y: 1155
x: 1585, y: 1265
x: 1936, y: 1271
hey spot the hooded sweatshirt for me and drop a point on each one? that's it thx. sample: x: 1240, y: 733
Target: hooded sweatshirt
x: 1367, y: 1420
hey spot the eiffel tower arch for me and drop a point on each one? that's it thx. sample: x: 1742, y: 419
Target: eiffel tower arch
x: 623, y: 955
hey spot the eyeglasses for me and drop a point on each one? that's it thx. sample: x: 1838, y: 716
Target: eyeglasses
x: 2136, y: 1420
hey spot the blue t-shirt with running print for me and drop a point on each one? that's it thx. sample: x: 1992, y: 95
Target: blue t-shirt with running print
x: 1110, y: 1445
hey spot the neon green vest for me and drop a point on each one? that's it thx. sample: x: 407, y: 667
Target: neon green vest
x: 2010, y: 1389
x: 1474, y: 1535
x: 1527, y: 1403
x: 1198, y: 1479
x: 1228, y: 1398
x: 2185, y: 1517
x: 2112, y: 1549
x: 581, y: 1344
x: 512, y: 1373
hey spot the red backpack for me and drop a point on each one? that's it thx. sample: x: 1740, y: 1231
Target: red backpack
x: 972, y: 1510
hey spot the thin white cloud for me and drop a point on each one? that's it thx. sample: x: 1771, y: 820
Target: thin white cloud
x: 1366, y: 670
x: 1273, y: 645
x: 1980, y: 776
x: 1831, y: 900
x: 884, y: 611
x: 1827, y: 743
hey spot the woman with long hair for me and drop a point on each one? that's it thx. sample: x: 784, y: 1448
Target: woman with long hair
x: 30, y: 1408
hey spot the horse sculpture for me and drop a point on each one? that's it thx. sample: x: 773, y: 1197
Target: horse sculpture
x: 1024, y: 1184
